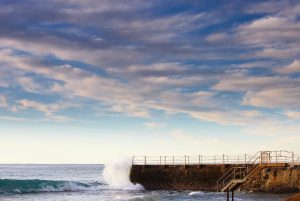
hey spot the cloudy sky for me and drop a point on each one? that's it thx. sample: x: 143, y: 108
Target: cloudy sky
x: 84, y: 81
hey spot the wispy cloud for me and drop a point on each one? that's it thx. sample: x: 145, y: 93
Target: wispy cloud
x: 136, y: 61
x: 294, y: 67
x: 3, y: 101
x: 154, y: 125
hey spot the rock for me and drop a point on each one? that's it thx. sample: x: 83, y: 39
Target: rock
x: 294, y: 198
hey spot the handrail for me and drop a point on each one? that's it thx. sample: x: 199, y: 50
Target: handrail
x: 229, y: 173
x: 190, y: 160
x: 245, y: 159
x: 262, y: 157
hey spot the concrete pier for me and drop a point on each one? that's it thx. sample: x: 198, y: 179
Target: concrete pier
x: 178, y: 177
x: 271, y: 172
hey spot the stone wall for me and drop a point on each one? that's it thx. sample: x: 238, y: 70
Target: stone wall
x: 178, y: 177
x: 204, y: 178
x: 276, y: 180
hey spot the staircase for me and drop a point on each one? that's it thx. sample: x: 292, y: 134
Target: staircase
x: 243, y: 173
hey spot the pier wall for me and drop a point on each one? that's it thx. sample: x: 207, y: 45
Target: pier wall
x: 178, y: 177
x: 204, y: 178
x: 276, y: 180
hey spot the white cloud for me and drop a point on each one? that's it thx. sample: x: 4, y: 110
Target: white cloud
x: 275, y: 36
x: 263, y: 91
x: 154, y: 125
x: 3, y: 101
x: 131, y: 110
x: 243, y: 82
x: 294, y: 115
x: 217, y: 37
x: 294, y: 67
x: 29, y: 84
x: 48, y: 109
x: 274, y: 98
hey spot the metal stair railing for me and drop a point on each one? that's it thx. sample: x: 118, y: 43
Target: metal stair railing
x: 259, y: 159
x: 238, y: 172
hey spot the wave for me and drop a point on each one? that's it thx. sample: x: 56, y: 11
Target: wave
x: 14, y: 186
x: 116, y: 175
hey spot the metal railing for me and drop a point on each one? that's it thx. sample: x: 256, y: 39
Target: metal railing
x: 273, y: 157
x: 260, y: 158
x: 297, y: 159
x: 191, y: 160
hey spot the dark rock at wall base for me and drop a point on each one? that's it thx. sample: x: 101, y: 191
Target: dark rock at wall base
x: 204, y: 178
x: 294, y: 198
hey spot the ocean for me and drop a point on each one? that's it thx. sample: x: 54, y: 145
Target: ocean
x: 94, y: 183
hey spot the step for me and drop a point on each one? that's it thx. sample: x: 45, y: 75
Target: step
x: 232, y: 184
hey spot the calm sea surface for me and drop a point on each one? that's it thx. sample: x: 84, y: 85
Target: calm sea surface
x: 92, y: 183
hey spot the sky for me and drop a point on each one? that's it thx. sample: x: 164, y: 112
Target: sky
x: 88, y: 81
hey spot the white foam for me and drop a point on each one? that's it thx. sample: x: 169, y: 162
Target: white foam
x: 69, y: 186
x: 196, y: 193
x: 116, y: 174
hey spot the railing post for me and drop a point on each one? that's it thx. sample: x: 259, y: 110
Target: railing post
x: 223, y: 159
x: 261, y: 157
x: 234, y: 173
x: 199, y: 160
x: 240, y: 173
x: 188, y: 160
x: 173, y: 160
x: 227, y: 195
x: 238, y: 159
x: 165, y: 160
x: 159, y: 160
x: 145, y: 161
x: 293, y: 157
x: 245, y: 158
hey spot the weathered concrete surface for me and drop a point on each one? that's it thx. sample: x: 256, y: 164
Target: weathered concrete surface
x: 276, y: 180
x: 178, y: 177
x: 204, y: 178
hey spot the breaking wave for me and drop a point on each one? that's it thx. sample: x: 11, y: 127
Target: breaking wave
x: 13, y: 186
x: 116, y: 175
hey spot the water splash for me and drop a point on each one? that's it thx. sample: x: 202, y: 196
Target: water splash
x: 116, y: 174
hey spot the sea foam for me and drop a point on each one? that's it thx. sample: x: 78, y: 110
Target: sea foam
x: 116, y: 175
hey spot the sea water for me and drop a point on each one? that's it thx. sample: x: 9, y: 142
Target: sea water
x: 93, y: 183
